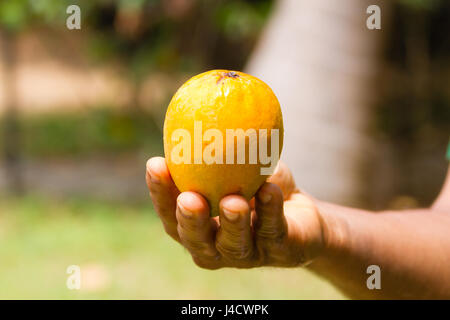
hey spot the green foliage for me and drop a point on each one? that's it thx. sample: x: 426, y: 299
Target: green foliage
x: 134, y: 4
x: 14, y: 14
x: 421, y: 4
x: 239, y: 19
x: 50, y: 12
x: 92, y: 132
x: 151, y: 35
x: 17, y: 15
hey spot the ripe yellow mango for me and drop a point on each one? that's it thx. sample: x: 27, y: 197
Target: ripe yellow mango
x: 223, y: 134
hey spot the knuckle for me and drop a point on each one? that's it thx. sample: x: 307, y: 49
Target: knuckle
x: 193, y: 226
x: 195, y: 245
x: 238, y: 253
x: 192, y: 245
x: 187, y: 237
x: 272, y: 235
x: 271, y: 230
x: 156, y: 188
x: 235, y: 231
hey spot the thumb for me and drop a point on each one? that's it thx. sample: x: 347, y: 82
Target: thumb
x: 283, y: 178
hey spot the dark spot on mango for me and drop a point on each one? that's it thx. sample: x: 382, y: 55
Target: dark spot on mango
x: 229, y: 74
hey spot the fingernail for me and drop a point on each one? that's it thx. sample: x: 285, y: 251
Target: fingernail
x: 184, y: 212
x: 231, y: 216
x: 265, y: 197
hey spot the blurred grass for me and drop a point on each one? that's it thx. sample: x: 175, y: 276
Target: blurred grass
x: 123, y: 254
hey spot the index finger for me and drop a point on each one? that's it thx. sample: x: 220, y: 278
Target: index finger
x: 164, y: 193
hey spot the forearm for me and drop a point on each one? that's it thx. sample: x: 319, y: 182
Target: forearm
x: 412, y: 248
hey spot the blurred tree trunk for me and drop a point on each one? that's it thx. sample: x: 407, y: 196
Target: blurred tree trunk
x: 321, y: 61
x: 10, y: 125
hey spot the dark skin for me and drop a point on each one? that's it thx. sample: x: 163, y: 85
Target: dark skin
x: 284, y: 227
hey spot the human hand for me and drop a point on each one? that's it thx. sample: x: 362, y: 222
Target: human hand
x: 279, y: 227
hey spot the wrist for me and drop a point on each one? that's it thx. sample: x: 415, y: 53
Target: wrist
x: 314, y: 231
x: 334, y: 230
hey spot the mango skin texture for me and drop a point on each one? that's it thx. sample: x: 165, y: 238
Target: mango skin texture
x: 221, y: 99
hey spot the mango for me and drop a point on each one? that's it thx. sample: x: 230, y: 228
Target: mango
x: 223, y: 134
